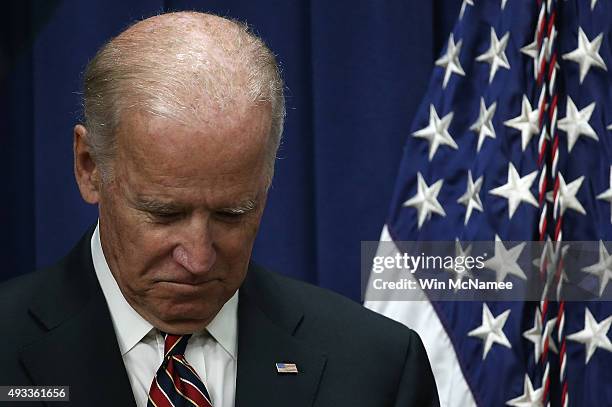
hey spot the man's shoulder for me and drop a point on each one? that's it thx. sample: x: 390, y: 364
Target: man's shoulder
x: 324, y: 309
x: 16, y: 293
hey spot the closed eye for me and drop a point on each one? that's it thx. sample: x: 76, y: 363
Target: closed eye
x: 231, y: 215
x: 165, y: 217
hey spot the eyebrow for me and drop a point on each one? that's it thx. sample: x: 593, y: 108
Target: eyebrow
x: 154, y: 206
x: 241, y: 208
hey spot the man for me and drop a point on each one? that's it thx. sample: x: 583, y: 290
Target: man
x: 158, y: 305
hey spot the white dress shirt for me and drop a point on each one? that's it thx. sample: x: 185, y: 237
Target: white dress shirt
x: 212, y: 353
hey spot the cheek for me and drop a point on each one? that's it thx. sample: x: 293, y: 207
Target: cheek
x: 234, y: 244
x: 141, y: 256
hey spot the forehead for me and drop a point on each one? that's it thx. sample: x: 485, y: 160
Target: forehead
x: 224, y: 153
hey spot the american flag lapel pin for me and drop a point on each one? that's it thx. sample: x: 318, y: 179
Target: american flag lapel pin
x: 286, y: 368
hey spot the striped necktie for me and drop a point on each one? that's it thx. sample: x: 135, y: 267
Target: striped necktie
x: 176, y: 383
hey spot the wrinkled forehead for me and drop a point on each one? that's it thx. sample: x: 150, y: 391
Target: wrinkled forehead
x: 231, y: 132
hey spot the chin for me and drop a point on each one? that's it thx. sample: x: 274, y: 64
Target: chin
x: 182, y: 327
x: 185, y: 317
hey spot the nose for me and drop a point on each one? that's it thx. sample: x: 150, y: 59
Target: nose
x: 196, y: 252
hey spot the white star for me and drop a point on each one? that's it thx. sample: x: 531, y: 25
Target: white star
x: 529, y: 398
x: 465, y: 3
x: 484, y: 125
x: 450, y: 60
x: 491, y: 330
x: 471, y: 197
x: 602, y: 269
x: 516, y: 190
x: 576, y: 123
x: 459, y: 274
x: 587, y: 54
x: 527, y: 122
x: 436, y: 132
x: 567, y: 195
x: 607, y: 195
x: 495, y: 55
x: 426, y: 200
x: 548, y: 262
x: 531, y: 50
x: 503, y: 4
x: 594, y: 335
x: 547, y: 335
x: 593, y: 2
x: 534, y: 334
x: 609, y: 126
x: 504, y: 261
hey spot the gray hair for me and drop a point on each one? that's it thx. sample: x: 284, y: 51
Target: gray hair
x: 176, y: 66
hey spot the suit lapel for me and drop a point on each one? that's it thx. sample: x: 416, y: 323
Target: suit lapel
x: 77, y: 346
x: 72, y: 341
x: 265, y: 337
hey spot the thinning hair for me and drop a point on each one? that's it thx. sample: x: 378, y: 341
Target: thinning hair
x: 178, y: 66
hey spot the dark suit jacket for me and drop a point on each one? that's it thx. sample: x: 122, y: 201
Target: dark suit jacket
x: 57, y: 330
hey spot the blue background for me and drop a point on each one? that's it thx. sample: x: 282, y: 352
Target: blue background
x: 355, y: 73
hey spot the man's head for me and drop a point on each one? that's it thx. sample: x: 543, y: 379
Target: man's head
x: 183, y: 116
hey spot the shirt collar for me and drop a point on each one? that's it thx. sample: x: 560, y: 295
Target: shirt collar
x: 130, y: 327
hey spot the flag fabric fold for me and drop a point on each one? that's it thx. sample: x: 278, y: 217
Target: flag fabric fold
x: 513, y: 142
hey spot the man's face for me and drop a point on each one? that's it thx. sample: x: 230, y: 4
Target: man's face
x: 178, y: 221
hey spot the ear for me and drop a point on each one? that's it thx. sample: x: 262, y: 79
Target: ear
x: 86, y: 171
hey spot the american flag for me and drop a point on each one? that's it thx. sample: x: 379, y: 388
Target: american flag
x: 286, y: 368
x: 514, y: 142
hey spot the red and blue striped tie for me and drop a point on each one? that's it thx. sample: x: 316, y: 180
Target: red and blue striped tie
x: 176, y: 383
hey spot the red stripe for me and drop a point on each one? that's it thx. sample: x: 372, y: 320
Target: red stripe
x: 546, y: 386
x: 542, y: 194
x: 553, y: 106
x: 556, y: 189
x: 541, y: 32
x: 543, y: 234
x: 558, y: 228
x: 542, y: 154
x: 194, y: 393
x: 551, y: 22
x: 171, y: 340
x: 541, y: 111
x: 545, y: 350
x: 564, y: 394
x: 185, y: 388
x: 551, y: 67
x: 563, y: 349
x: 158, y: 396
x: 561, y: 310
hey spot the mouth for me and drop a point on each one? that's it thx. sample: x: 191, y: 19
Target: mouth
x: 187, y: 283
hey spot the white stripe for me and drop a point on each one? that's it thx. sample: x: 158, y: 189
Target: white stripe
x: 542, y: 218
x: 562, y: 370
x: 542, y: 178
x: 553, y: 79
x: 163, y: 392
x: 196, y: 387
x: 561, y: 326
x: 553, y: 121
x: 421, y: 316
x: 179, y: 390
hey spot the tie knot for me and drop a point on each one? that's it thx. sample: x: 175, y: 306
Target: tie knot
x: 175, y: 344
